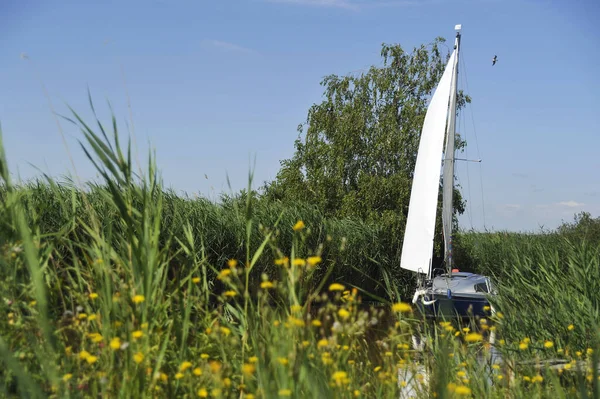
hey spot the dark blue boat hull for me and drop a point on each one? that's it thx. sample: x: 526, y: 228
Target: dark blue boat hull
x: 455, y: 307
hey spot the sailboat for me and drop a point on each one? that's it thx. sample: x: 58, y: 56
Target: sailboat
x: 440, y: 293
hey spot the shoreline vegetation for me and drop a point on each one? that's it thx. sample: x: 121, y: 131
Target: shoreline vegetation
x: 128, y: 290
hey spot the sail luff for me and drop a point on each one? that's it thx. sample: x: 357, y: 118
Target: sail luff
x: 417, y: 247
x: 448, y: 173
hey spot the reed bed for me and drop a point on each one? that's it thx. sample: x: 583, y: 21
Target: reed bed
x: 127, y: 290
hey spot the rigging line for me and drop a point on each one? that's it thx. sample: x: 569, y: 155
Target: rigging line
x: 463, y: 126
x: 476, y: 145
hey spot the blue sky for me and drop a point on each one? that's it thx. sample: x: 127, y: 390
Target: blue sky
x: 213, y: 84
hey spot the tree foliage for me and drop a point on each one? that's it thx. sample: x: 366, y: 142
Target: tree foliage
x: 356, y: 152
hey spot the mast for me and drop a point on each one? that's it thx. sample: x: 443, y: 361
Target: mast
x: 448, y: 179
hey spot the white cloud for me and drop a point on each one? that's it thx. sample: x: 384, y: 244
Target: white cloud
x: 571, y: 204
x: 227, y: 46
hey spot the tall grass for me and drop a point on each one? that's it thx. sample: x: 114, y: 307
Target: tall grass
x: 126, y: 290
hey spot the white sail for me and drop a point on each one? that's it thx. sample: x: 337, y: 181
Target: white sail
x: 417, y: 248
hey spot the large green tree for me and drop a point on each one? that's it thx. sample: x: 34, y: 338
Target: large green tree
x: 356, y: 152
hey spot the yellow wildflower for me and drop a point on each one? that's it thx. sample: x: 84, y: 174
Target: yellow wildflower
x: 196, y: 280
x: 139, y: 299
x: 298, y: 226
x: 82, y: 316
x: 215, y: 366
x: 305, y: 344
x: 253, y: 359
x: 283, y: 360
x: 67, y: 377
x: 296, y: 308
x: 462, y: 390
x: 204, y: 356
x: 197, y: 371
x: 548, y: 344
x: 138, y: 357
x: 144, y: 326
x: 344, y: 314
x: 461, y: 374
x: 84, y: 354
x: 322, y: 343
x: 282, y: 261
x: 537, y: 378
x: 313, y: 260
x: 473, y: 337
x: 285, y: 392
x: 248, y: 368
x: 316, y: 323
x: 523, y: 346
x: 376, y: 369
x: 486, y: 308
x: 93, y: 295
x: 163, y: 377
x: 137, y: 334
x: 232, y: 263
x: 266, y: 285
x: 225, y: 331
x: 92, y: 317
x: 336, y: 287
x: 224, y: 274
x: 401, y: 307
x: 203, y: 393
x: 356, y: 393
x: 299, y: 262
x: 226, y: 382
x: 178, y: 376
x: 91, y: 359
x: 230, y: 293
x: 340, y: 377
x: 115, y: 343
x: 184, y: 366
x: 571, y: 327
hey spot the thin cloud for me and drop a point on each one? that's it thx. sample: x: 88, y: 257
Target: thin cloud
x: 226, y: 46
x: 571, y: 204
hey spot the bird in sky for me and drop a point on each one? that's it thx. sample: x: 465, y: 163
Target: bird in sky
x: 494, y: 60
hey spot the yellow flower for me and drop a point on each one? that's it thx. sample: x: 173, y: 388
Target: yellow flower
x: 322, y: 343
x: 95, y: 337
x: 196, y: 280
x: 230, y: 293
x: 215, y: 366
x: 283, y: 360
x: 144, y: 326
x: 313, y: 260
x: 401, y: 307
x: 203, y: 393
x: 537, y: 378
x: 336, y: 287
x: 178, y: 376
x: 226, y: 382
x: 495, y: 367
x: 82, y: 316
x: 184, y: 366
x: 253, y: 359
x: 84, y: 354
x: 67, y: 377
x: 462, y: 390
x: 204, y: 356
x: 137, y: 334
x: 282, y: 261
x: 316, y: 323
x: 225, y: 331
x: 571, y: 327
x: 91, y: 359
x: 340, y: 377
x: 299, y: 262
x: 523, y: 346
x: 224, y: 274
x: 473, y: 337
x: 249, y: 396
x: 248, y: 368
x: 232, y: 263
x: 344, y: 314
x: 388, y: 354
x: 115, y: 343
x: 197, y: 371
x: 286, y: 392
x: 266, y: 285
x: 298, y: 226
x: 163, y: 377
x: 486, y: 308
x: 461, y: 374
x: 356, y: 393
x: 138, y: 357
x: 376, y: 369
x: 296, y: 308
x: 305, y: 344
x: 93, y: 295
x: 139, y: 299
x: 548, y: 344
x: 92, y: 317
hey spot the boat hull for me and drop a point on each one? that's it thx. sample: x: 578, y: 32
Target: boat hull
x: 456, y: 307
